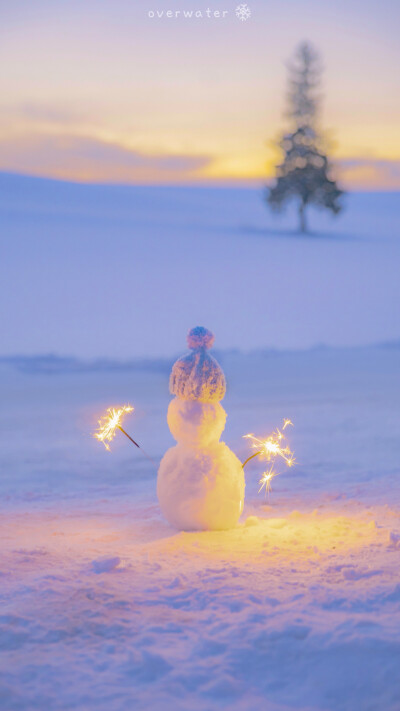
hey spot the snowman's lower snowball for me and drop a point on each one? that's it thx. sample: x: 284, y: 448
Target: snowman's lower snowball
x: 201, y: 489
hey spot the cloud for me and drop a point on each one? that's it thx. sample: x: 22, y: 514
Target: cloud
x: 90, y: 159
x: 45, y: 114
x: 369, y: 173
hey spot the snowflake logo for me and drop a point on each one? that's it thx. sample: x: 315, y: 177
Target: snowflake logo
x: 243, y: 12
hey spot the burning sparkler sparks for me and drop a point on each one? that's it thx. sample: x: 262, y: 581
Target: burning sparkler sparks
x: 274, y: 446
x: 266, y: 480
x: 110, y: 423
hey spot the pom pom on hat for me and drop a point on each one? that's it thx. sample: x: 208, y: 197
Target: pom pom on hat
x: 200, y: 337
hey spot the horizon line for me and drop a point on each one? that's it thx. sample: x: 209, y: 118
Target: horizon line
x: 138, y: 359
x: 223, y: 183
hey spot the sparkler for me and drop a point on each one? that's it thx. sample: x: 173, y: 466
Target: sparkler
x: 270, y: 448
x: 110, y: 422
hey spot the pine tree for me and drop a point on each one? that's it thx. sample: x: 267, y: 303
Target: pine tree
x: 305, y: 171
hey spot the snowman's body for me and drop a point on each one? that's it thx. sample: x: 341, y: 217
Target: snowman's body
x: 200, y: 482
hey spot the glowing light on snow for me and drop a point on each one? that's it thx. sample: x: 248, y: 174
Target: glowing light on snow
x: 110, y: 422
x: 274, y: 446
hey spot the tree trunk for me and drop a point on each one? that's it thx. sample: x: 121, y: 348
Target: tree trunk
x: 302, y: 218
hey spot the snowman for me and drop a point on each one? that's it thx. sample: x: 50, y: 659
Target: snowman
x: 200, y: 483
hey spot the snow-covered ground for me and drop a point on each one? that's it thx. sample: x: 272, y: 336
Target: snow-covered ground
x: 103, y: 605
x: 126, y: 271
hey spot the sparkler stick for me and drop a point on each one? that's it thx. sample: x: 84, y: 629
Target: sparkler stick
x: 129, y: 437
x: 110, y: 422
x: 251, y: 456
x: 137, y: 445
x: 269, y: 449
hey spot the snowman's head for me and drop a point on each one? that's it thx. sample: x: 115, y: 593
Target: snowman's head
x: 194, y: 423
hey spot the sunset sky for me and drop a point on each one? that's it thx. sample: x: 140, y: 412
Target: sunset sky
x: 97, y: 90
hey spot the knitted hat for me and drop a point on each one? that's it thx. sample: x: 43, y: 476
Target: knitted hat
x: 197, y: 375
